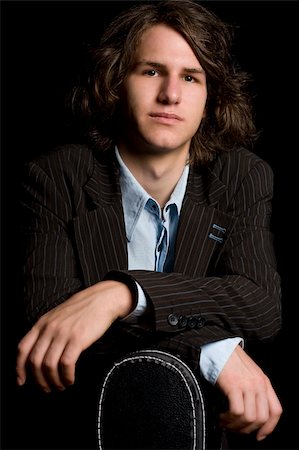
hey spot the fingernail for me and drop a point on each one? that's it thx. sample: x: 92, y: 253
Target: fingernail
x: 260, y: 438
x: 20, y: 381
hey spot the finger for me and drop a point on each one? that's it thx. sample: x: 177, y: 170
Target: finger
x: 36, y: 361
x: 259, y: 414
x: 230, y: 418
x: 52, y: 357
x: 50, y: 364
x: 23, y: 351
x: 67, y: 364
x: 275, y: 411
x: 248, y: 421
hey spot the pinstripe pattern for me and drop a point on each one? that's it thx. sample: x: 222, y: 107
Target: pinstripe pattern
x: 225, y: 268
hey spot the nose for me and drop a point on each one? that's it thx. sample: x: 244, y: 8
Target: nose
x: 170, y: 91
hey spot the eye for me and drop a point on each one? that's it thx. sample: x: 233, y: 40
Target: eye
x: 151, y: 72
x: 189, y: 78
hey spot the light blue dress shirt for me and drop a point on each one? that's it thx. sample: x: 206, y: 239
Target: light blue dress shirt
x: 151, y: 233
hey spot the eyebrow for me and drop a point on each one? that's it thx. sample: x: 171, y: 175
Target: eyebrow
x: 157, y: 65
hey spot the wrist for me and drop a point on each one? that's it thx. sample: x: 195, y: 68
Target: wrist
x: 122, y: 300
x: 126, y: 301
x: 128, y: 294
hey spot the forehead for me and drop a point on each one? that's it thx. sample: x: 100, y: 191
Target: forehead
x: 162, y: 41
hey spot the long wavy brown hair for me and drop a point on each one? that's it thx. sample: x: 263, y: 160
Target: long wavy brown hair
x: 228, y: 122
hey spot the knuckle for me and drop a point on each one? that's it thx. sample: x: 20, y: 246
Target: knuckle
x: 51, y: 327
x: 261, y: 381
x: 48, y: 366
x: 21, y: 347
x: 278, y: 410
x: 66, y: 362
x: 250, y: 418
x: 237, y: 411
x: 34, y: 360
x: 262, y: 418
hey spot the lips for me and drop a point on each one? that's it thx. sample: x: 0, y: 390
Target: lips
x: 165, y: 116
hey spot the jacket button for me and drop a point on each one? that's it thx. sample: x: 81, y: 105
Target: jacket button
x: 200, y: 322
x: 192, y: 322
x: 173, y: 320
x: 183, y: 321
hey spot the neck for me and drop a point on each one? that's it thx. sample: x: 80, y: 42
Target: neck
x: 158, y: 174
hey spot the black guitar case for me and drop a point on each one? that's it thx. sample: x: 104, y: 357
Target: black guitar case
x: 151, y: 399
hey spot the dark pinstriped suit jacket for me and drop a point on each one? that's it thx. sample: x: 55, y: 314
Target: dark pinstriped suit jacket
x: 224, y: 270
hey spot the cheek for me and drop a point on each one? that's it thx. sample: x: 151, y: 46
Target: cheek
x: 134, y: 106
x: 199, y: 109
x: 129, y: 106
x: 196, y: 115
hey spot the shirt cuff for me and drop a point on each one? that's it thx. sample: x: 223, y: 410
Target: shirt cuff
x: 214, y: 356
x: 140, y: 308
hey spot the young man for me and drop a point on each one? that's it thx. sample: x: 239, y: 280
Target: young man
x: 158, y: 228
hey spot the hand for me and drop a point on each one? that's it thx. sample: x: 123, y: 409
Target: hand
x: 252, y: 402
x: 53, y: 345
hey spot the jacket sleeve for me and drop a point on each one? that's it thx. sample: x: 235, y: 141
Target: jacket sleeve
x: 50, y: 271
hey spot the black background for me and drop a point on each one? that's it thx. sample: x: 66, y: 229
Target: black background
x: 41, y: 47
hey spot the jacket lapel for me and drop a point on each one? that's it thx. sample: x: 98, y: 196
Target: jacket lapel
x: 203, y: 227
x: 100, y: 233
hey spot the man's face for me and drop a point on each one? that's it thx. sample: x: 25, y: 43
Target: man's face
x: 164, y: 95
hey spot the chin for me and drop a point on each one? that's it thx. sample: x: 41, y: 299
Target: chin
x: 164, y: 144
x: 166, y: 147
x: 157, y: 149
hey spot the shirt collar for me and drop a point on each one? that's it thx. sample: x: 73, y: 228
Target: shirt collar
x: 134, y: 197
x: 178, y: 193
